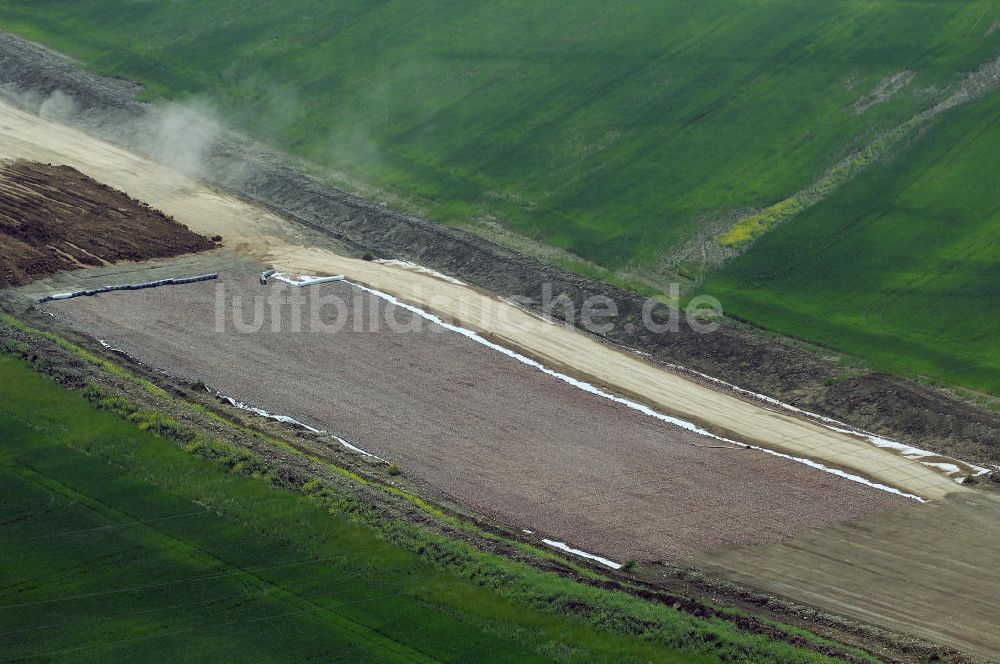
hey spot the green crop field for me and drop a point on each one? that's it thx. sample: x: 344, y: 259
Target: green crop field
x: 607, y: 129
x: 901, y: 266
x: 118, y: 546
x: 626, y: 132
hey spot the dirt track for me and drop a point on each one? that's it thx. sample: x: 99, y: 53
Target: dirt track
x: 565, y: 349
x: 929, y: 417
x: 272, y: 239
x: 493, y: 434
x: 55, y: 218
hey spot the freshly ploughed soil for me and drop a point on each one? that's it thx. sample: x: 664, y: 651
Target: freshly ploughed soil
x: 55, y: 218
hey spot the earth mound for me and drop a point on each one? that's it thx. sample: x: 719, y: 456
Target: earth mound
x: 55, y: 218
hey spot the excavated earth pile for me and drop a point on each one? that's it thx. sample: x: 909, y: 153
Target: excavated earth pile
x: 54, y: 218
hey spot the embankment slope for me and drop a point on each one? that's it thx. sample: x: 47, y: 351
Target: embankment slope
x: 890, y: 406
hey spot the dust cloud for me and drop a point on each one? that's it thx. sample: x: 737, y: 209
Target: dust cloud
x: 181, y: 135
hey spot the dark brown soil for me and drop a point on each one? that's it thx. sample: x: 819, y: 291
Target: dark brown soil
x: 55, y: 218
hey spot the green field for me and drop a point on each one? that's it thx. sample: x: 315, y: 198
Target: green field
x: 620, y: 132
x: 117, y: 546
x: 902, y: 266
x: 609, y: 130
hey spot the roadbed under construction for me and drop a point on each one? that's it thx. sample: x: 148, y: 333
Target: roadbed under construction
x: 890, y: 406
x: 493, y: 434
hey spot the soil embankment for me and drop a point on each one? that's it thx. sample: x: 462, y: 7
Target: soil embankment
x: 55, y: 218
x: 929, y: 571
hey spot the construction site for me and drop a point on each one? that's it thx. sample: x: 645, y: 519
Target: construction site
x: 613, y: 455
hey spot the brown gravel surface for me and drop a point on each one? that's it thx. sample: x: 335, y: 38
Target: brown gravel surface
x: 491, y: 433
x: 931, y: 570
x: 55, y: 218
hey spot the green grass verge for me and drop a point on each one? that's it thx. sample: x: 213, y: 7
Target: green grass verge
x: 899, y: 267
x: 83, y: 354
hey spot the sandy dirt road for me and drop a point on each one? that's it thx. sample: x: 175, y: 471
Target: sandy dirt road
x: 273, y: 240
x: 513, y: 443
x: 490, y: 432
x: 929, y: 570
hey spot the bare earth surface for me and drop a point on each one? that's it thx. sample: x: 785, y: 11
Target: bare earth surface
x: 931, y: 570
x: 495, y: 435
x: 567, y: 350
x: 925, y: 416
x: 272, y: 239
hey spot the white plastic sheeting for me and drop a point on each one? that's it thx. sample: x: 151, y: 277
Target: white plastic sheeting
x: 306, y: 280
x: 583, y: 554
x: 290, y: 420
x: 356, y: 449
x: 913, y: 453
x: 415, y: 267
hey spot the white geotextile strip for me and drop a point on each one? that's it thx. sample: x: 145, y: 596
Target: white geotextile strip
x: 908, y: 451
x: 416, y: 267
x: 303, y: 280
x: 583, y: 554
x: 290, y: 420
